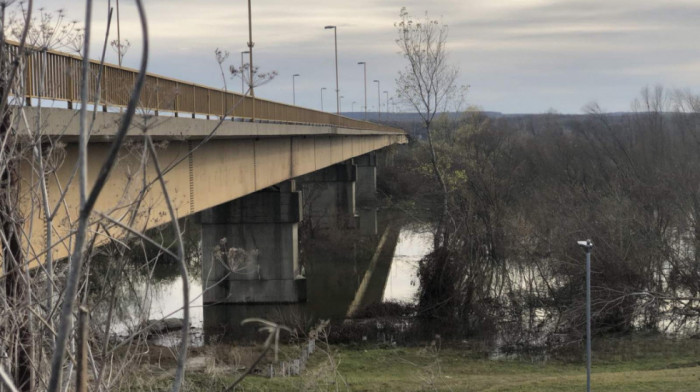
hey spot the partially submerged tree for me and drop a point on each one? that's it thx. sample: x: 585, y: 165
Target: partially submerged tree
x: 428, y: 84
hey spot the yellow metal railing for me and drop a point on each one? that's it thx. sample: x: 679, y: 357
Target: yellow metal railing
x: 55, y: 75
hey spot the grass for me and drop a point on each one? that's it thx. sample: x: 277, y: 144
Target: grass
x: 628, y: 364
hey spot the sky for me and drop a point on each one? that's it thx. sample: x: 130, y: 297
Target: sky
x: 517, y: 56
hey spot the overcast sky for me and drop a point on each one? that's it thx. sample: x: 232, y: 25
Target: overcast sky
x: 518, y: 56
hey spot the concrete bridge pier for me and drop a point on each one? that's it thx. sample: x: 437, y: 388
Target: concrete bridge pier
x: 366, y: 192
x: 329, y: 196
x: 366, y: 184
x: 250, y: 254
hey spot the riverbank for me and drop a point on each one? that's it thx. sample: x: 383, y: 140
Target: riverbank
x: 619, y: 364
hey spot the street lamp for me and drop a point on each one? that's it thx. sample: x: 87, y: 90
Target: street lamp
x: 242, y: 73
x: 340, y: 101
x: 386, y: 101
x: 250, y: 53
x: 587, y: 245
x: 337, y: 89
x: 379, y: 100
x: 322, y: 88
x: 365, y: 67
x: 294, y: 91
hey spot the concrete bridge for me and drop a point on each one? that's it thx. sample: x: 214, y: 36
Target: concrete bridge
x: 243, y: 164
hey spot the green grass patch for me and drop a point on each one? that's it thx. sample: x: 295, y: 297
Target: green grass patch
x: 624, y: 364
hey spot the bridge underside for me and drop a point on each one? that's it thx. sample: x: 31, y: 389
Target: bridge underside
x: 239, y: 159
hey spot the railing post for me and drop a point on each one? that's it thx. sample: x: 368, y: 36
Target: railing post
x: 208, y: 103
x: 28, y: 81
x: 177, y: 97
x: 70, y: 88
x: 103, y: 89
x: 157, y: 96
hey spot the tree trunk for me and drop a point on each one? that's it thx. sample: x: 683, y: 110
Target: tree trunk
x: 441, y: 235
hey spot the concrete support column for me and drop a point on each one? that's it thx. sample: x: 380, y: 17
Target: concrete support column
x: 250, y: 248
x: 366, y: 186
x: 366, y: 192
x: 329, y: 196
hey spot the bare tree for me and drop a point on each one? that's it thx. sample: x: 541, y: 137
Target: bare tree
x: 427, y: 84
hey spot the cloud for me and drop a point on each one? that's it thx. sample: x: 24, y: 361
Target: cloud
x: 518, y: 55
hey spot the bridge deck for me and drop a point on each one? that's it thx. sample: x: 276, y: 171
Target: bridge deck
x: 258, y: 144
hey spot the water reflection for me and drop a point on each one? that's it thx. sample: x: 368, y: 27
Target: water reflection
x: 336, y: 264
x: 413, y: 244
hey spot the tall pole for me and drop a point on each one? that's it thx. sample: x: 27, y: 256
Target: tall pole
x: 340, y: 100
x: 294, y: 90
x: 119, y: 38
x: 243, y: 72
x: 322, y: 88
x: 250, y: 49
x: 379, y: 100
x: 337, y: 89
x: 386, y: 101
x: 587, y: 245
x: 365, y: 67
x: 353, y: 106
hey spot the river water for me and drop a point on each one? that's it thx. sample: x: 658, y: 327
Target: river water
x: 402, y: 283
x: 401, y: 286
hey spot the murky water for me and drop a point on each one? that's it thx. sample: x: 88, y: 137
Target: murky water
x: 401, y: 286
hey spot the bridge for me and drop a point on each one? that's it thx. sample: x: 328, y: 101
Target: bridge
x: 247, y: 167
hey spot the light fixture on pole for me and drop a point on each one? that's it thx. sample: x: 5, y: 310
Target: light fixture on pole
x: 337, y: 89
x: 365, y: 67
x: 243, y: 71
x: 294, y: 91
x: 587, y: 245
x: 379, y: 100
x: 322, y: 88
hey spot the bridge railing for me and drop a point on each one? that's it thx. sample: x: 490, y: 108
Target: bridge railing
x: 55, y: 75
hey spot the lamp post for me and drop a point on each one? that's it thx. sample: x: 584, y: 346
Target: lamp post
x: 340, y: 102
x: 242, y: 74
x: 337, y: 89
x: 587, y: 245
x: 379, y: 100
x: 365, y: 67
x: 322, y: 88
x: 386, y: 101
x: 250, y: 53
x: 294, y: 90
x: 119, y: 38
